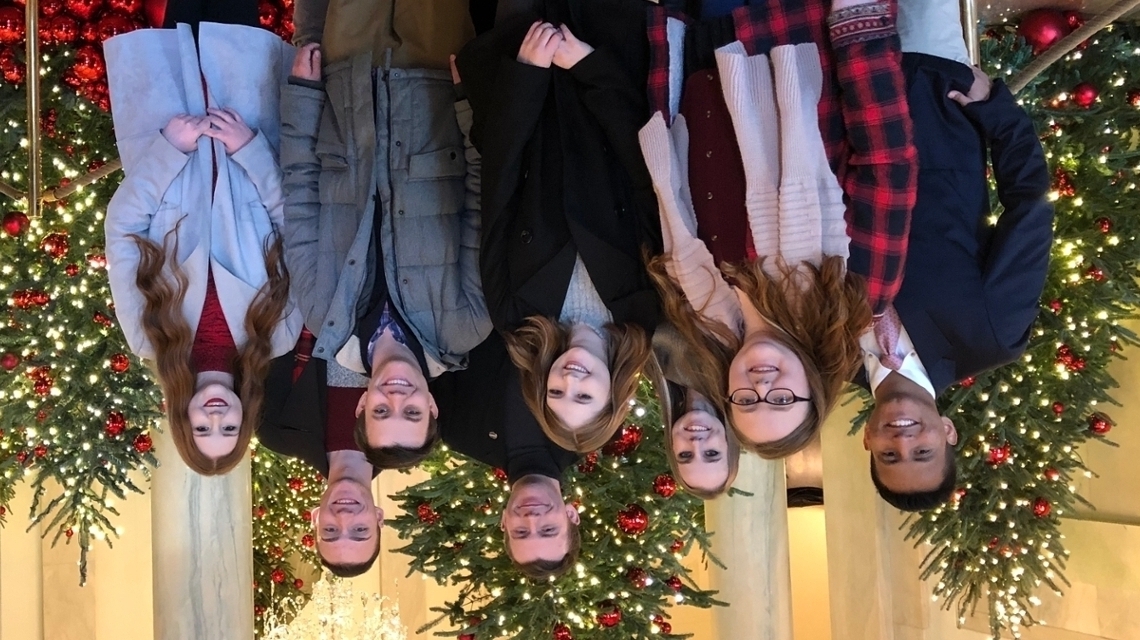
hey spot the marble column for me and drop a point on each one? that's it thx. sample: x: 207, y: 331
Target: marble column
x: 202, y: 550
x: 752, y: 541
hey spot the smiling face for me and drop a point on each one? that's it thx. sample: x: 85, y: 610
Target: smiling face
x: 763, y: 364
x: 578, y: 387
x: 215, y: 419
x: 347, y: 524
x: 537, y: 521
x: 700, y: 446
x: 908, y: 441
x: 397, y: 406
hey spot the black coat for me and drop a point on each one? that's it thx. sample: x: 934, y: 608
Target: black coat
x: 971, y: 291
x: 562, y: 168
x: 293, y: 417
x: 483, y: 416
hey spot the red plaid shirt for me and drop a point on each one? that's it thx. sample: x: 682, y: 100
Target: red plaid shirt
x: 863, y: 116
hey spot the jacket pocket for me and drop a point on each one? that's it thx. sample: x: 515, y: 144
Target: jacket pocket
x: 433, y: 165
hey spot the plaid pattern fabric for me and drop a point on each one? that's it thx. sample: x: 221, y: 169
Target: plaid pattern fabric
x: 658, y: 32
x: 304, y: 352
x: 863, y: 117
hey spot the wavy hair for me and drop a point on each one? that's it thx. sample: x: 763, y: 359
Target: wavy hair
x: 162, y: 283
x: 674, y: 402
x: 535, y: 346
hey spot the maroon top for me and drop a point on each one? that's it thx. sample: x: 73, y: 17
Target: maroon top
x: 214, y: 348
x: 340, y: 408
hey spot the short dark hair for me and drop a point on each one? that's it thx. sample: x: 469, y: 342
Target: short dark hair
x: 921, y: 500
x: 546, y: 569
x: 353, y: 570
x: 396, y: 457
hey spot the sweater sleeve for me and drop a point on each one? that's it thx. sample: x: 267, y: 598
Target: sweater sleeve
x: 881, y: 177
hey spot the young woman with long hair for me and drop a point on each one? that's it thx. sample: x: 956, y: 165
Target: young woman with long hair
x: 801, y: 132
x: 194, y: 255
x: 567, y: 208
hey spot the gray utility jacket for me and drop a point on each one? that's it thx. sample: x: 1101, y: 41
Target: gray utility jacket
x: 401, y: 152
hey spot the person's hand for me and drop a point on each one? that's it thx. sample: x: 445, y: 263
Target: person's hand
x: 228, y: 127
x: 979, y: 91
x: 571, y: 50
x: 307, y: 62
x: 455, y: 79
x: 183, y: 131
x: 540, y: 44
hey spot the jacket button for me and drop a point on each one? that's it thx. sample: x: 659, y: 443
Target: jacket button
x: 320, y: 349
x: 526, y: 236
x: 452, y: 154
x: 399, y: 144
x: 400, y: 212
x: 352, y: 262
x: 332, y: 322
x: 714, y: 238
x: 709, y: 196
x: 405, y: 281
x: 708, y: 154
x: 493, y: 435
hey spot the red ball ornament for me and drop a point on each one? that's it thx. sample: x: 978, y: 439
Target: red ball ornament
x: 1056, y: 306
x: 664, y: 627
x: 1063, y: 183
x: 561, y: 632
x: 676, y: 546
x: 88, y: 32
x: 1052, y: 475
x: 589, y: 463
x: 101, y: 318
x: 120, y: 363
x: 89, y: 64
x: 298, y: 584
x: 426, y: 514
x: 1074, y: 20
x: 296, y: 484
x: 1104, y: 224
x: 21, y: 457
x: 633, y: 520
x: 1085, y: 94
x: 1096, y: 274
x: 49, y: 8
x: 968, y: 382
x: 307, y: 515
x: 71, y: 270
x: 665, y: 485
x: 143, y: 443
x: 624, y: 443
x: 1058, y: 408
x: 278, y: 576
x: 609, y: 614
x: 1100, y: 424
x: 1042, y: 28
x: 637, y: 577
x: 97, y: 260
x: 116, y: 424
x: 42, y: 387
x: 9, y: 361
x: 40, y: 450
x: 15, y: 223
x: 500, y: 475
x: 114, y: 24
x: 1042, y: 508
x: 13, y: 72
x: 1133, y: 98
x: 999, y: 455
x: 70, y: 532
x: 674, y: 583
x: 47, y: 37
x: 84, y: 9
x: 957, y: 496
x: 55, y: 245
x: 128, y: 7
x: 12, y: 25
x: 277, y: 552
x: 268, y: 15
x: 308, y: 541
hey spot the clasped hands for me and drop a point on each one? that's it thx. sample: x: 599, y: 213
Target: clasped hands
x: 545, y: 44
x: 224, y: 125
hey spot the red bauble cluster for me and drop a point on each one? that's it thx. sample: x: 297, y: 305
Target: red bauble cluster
x: 277, y: 16
x: 561, y: 632
x: 624, y: 442
x: 664, y: 627
x: 589, y: 463
x: 42, y: 380
x: 500, y: 475
x: 637, y: 577
x: 1043, y: 28
x: 1070, y: 360
x: 1100, y: 424
x: 426, y: 514
x: 968, y: 382
x: 116, y: 424
x: 143, y: 443
x: 97, y: 260
x: 56, y: 244
x: 296, y: 484
x: 15, y: 223
x: 28, y: 298
x: 103, y: 319
x: 1133, y: 98
x: 120, y: 363
x: 308, y: 541
x: 665, y: 485
x: 633, y: 520
x: 12, y: 25
x: 1063, y: 183
x: 609, y: 614
x: 999, y: 454
x: 1042, y: 508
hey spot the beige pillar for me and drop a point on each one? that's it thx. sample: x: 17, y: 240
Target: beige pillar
x: 752, y: 541
x: 21, y: 577
x: 203, y: 559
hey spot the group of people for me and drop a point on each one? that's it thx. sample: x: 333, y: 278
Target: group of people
x: 484, y: 223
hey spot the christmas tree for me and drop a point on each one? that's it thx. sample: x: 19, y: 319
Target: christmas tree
x: 635, y: 526
x: 1021, y: 427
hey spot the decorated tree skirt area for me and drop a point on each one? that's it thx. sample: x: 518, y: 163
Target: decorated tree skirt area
x: 77, y: 408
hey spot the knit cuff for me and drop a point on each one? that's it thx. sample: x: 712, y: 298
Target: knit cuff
x: 861, y: 23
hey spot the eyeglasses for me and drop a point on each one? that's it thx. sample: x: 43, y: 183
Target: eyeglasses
x: 778, y: 397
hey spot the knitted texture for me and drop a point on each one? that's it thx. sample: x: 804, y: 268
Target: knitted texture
x: 582, y: 303
x: 338, y: 376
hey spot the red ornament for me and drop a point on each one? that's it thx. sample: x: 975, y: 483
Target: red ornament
x: 278, y: 576
x: 590, y: 463
x: 120, y: 363
x: 561, y: 632
x: 426, y: 514
x: 268, y: 15
x: 70, y: 532
x: 9, y: 361
x: 957, y: 496
x: 637, y: 577
x: 665, y: 485
x: 277, y: 552
x: 49, y: 8
x: 609, y: 614
x: 1133, y: 98
x: 298, y: 584
x: 116, y: 424
x: 88, y: 32
x: 128, y: 7
x: 42, y: 387
x: 676, y: 546
x: 71, y: 270
x: 500, y: 475
x: 1100, y: 424
x: 664, y: 627
x: 296, y: 484
x: 40, y: 450
x: 1058, y: 408
x: 1042, y: 28
x: 674, y: 583
x: 624, y: 443
x: 15, y: 223
x: 259, y: 511
x: 1063, y: 183
x: 97, y: 260
x: 1074, y: 20
x: 1056, y: 306
x: 1052, y: 475
x: 307, y: 515
x: 1104, y: 224
x: 258, y: 610
x: 21, y: 457
x: 84, y: 9
x: 999, y: 455
x: 968, y: 382
x: 114, y: 24
x: 13, y: 71
x: 101, y: 318
x: 1042, y: 508
x: 472, y: 622
x: 89, y: 64
x: 308, y: 541
x: 1096, y: 273
x: 55, y: 244
x: 143, y: 443
x: 1085, y: 94
x: 11, y: 25
x: 633, y: 520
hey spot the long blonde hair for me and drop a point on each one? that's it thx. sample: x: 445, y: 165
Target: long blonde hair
x: 535, y: 346
x: 162, y: 283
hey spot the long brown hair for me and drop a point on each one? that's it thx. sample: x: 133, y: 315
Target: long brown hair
x: 162, y: 283
x: 820, y: 313
x: 540, y: 341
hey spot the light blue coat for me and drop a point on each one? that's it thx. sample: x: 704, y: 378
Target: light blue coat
x: 155, y: 74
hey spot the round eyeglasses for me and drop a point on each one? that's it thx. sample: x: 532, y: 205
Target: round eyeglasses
x: 778, y: 397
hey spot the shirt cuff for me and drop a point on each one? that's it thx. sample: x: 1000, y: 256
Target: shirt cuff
x: 303, y: 82
x: 861, y: 23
